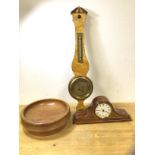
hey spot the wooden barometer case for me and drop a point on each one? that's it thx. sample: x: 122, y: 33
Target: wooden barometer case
x: 81, y: 87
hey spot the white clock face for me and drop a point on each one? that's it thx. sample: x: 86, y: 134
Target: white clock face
x: 103, y: 110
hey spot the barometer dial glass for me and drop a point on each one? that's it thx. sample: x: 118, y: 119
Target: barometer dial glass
x: 80, y: 87
x: 103, y: 110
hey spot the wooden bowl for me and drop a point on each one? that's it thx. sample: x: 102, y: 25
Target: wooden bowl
x: 45, y: 117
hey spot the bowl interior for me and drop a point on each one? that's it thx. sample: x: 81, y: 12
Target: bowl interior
x: 46, y: 111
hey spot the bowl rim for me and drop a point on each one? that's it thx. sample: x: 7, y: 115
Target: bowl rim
x: 25, y: 120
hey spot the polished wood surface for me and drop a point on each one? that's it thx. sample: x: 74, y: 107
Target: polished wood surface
x: 80, y: 64
x: 88, y: 116
x: 45, y: 116
x: 79, y: 18
x: 98, y: 139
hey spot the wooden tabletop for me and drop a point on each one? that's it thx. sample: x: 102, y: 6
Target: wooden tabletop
x: 87, y: 139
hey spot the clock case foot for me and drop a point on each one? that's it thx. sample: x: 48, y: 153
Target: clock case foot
x: 87, y: 115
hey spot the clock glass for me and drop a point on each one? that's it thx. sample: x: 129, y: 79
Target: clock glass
x: 103, y: 110
x: 80, y: 87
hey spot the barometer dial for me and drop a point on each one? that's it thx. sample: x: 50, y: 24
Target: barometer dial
x: 103, y: 110
x: 80, y: 87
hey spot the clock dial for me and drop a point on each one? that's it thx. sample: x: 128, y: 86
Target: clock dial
x: 80, y: 87
x: 103, y: 110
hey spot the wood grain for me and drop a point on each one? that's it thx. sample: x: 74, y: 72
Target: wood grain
x: 87, y: 139
x: 79, y: 68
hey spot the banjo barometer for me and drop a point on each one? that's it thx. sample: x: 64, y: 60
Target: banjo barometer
x: 81, y: 87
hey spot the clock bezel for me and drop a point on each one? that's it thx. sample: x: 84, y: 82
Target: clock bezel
x: 103, y: 103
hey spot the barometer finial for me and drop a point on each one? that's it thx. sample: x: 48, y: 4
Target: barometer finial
x: 79, y: 10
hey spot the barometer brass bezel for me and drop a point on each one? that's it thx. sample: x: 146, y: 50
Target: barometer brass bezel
x: 76, y: 79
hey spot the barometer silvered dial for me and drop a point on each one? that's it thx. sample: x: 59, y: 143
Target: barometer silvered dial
x: 80, y: 87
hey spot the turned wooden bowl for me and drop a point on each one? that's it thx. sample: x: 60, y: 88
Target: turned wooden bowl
x: 45, y: 117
